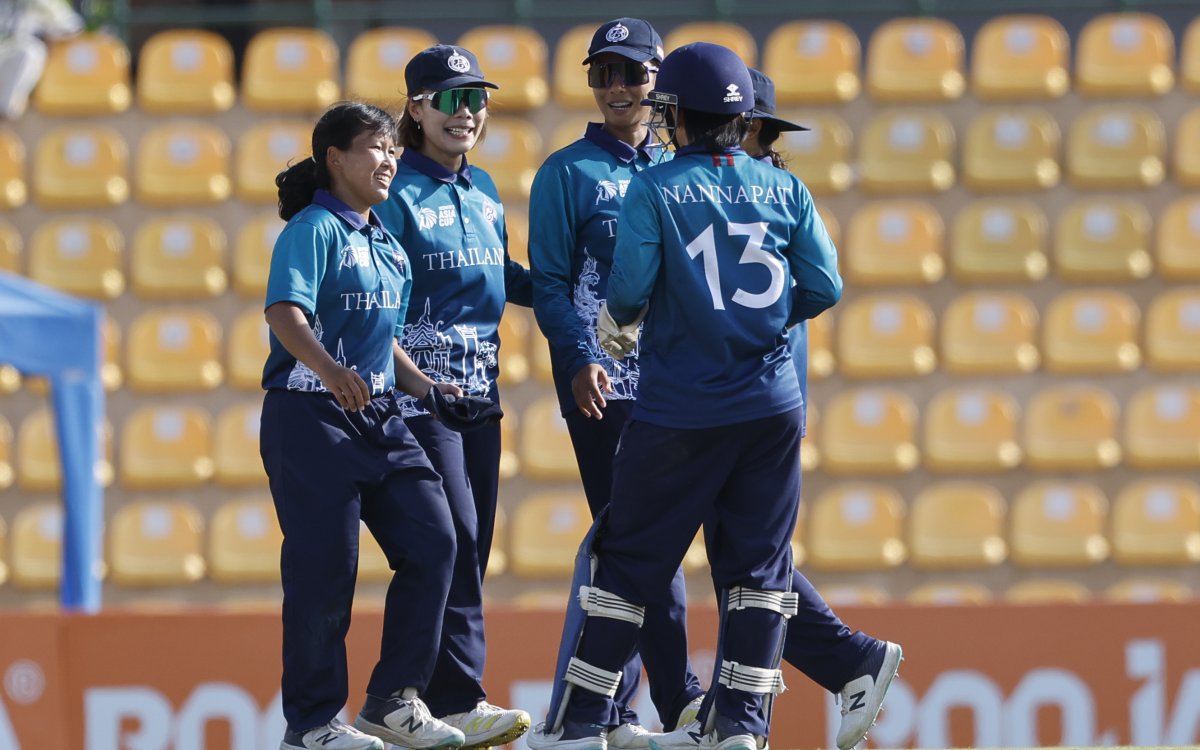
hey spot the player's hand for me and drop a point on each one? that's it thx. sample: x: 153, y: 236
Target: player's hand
x: 588, y: 387
x: 347, y: 387
x: 449, y: 389
x: 617, y: 340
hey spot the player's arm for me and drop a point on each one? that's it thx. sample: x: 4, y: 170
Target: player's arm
x: 638, y: 254
x: 411, y: 380
x: 813, y: 260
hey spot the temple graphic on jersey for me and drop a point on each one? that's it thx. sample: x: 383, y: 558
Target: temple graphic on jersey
x: 622, y: 374
x: 302, y: 377
x: 437, y: 355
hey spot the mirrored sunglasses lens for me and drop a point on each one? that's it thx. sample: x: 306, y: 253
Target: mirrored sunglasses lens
x: 603, y: 75
x: 451, y: 100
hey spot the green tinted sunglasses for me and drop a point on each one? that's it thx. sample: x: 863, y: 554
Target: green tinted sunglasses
x: 451, y: 100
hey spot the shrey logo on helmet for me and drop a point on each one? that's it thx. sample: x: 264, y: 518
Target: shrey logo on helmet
x: 617, y: 33
x: 732, y: 94
x: 458, y: 63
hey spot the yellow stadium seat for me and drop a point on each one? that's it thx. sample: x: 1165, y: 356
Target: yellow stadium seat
x: 1189, y: 59
x: 547, y: 528
x: 10, y: 248
x: 695, y: 560
x: 813, y: 62
x: 1178, y: 236
x: 10, y: 379
x: 915, y: 60
x: 990, y: 333
x: 249, y: 345
x: 39, y: 468
x: 185, y: 71
x: 6, y: 453
x: 856, y: 526
x: 894, y: 243
x: 820, y: 346
x: 971, y: 430
x: 178, y: 257
x: 1116, y: 147
x: 111, y: 373
x: 855, y: 595
x: 1059, y: 524
x: 999, y: 240
x: 545, y: 446
x: 724, y: 33
x: 1162, y: 425
x: 373, y: 565
x: 1149, y: 590
x: 907, y: 151
x: 1093, y: 331
x: 1103, y: 239
x: 80, y: 166
x: 244, y: 541
x: 821, y: 156
x: 799, y: 553
x: 13, y: 190
x: 510, y: 463
x: 36, y: 544
x: 1011, y: 150
x: 290, y: 69
x: 376, y: 60
x: 516, y: 222
x: 1020, y: 57
x: 85, y: 75
x: 166, y: 447
x: 182, y: 164
x: 886, y: 335
x: 514, y: 346
x: 832, y: 225
x: 263, y: 151
x: 511, y: 153
x: 543, y: 370
x: 1185, y: 166
x: 174, y: 349
x: 80, y: 256
x: 1125, y: 54
x: 949, y: 594
x: 252, y: 255
x: 497, y: 562
x: 235, y: 447
x: 156, y: 543
x: 1157, y: 522
x: 869, y: 430
x: 1173, y: 331
x: 515, y: 59
x: 957, y: 525
x: 569, y: 129
x: 810, y: 455
x: 569, y: 74
x: 1044, y: 591
x: 1071, y: 428
x: 3, y: 552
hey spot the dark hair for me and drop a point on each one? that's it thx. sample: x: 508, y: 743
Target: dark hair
x: 714, y: 131
x: 767, y: 135
x: 338, y: 127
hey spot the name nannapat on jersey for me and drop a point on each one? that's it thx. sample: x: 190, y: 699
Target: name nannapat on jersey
x: 385, y: 299
x: 471, y: 256
x: 778, y: 194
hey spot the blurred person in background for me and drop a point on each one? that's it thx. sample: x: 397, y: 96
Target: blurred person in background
x: 23, y: 23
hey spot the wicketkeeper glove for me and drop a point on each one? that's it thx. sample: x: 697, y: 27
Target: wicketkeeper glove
x: 461, y: 413
x: 614, y: 339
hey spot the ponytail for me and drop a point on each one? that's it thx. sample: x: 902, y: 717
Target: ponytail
x: 297, y: 184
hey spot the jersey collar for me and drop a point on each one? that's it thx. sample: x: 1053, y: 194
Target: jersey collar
x: 326, y: 200
x: 701, y: 149
x: 432, y: 169
x: 618, y: 148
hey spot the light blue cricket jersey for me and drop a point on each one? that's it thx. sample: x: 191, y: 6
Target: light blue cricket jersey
x: 452, y: 226
x: 352, y: 280
x: 573, y: 220
x: 713, y: 242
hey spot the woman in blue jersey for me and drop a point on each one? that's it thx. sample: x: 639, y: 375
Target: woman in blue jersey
x: 573, y: 204
x: 336, y: 449
x: 449, y: 219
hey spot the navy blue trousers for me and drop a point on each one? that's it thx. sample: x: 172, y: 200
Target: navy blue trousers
x: 482, y: 450
x: 328, y: 469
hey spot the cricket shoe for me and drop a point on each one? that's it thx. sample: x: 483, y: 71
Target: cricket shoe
x: 690, y: 713
x: 862, y: 697
x: 487, y: 725
x: 406, y: 722
x: 692, y: 737
x: 629, y: 737
x: 571, y: 736
x: 336, y: 735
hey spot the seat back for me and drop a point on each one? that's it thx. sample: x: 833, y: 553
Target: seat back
x: 547, y: 528
x: 252, y: 254
x: 87, y: 74
x: 990, y: 333
x: 185, y: 71
x: 244, y: 541
x: 1020, y: 57
x: 183, y: 164
x: 1011, y: 150
x: 1157, y: 522
x: 235, y: 446
x: 1090, y: 332
x: 249, y: 345
x: 869, y: 430
x: 907, y: 151
x: 1071, y: 428
x: 172, y: 350
x: 1173, y: 330
x: 515, y: 58
x: 156, y: 543
x: 1177, y: 237
x: 1125, y: 54
x: 376, y: 60
x: 263, y: 151
x: 1103, y: 239
x: 80, y: 167
x: 1162, y: 424
x: 915, y: 60
x: 79, y: 255
x: 166, y: 447
x: 895, y: 243
x: 999, y: 240
x: 179, y: 257
x: 856, y: 526
x: 13, y: 189
x: 971, y: 430
x: 886, y: 335
x: 813, y: 62
x: 1116, y: 147
x: 290, y: 69
x: 957, y: 525
x: 1059, y: 524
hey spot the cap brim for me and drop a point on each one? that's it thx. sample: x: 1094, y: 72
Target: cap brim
x: 632, y: 54
x: 462, y: 82
x: 783, y: 125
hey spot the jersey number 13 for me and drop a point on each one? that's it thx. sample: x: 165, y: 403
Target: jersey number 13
x: 705, y: 246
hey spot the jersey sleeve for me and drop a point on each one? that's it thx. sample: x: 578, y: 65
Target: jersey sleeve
x: 813, y: 260
x: 298, y: 263
x: 638, y: 253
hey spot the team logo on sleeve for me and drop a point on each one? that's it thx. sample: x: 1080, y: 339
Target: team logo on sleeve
x: 489, y: 212
x: 354, y: 256
x: 733, y: 93
x: 606, y: 190
x: 399, y: 259
x: 458, y: 63
x: 426, y: 218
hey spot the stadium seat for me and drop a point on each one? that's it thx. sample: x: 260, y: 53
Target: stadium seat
x: 497, y: 563
x: 79, y: 255
x: 1043, y: 591
x: 813, y: 62
x: 514, y: 346
x: 854, y: 595
x: 1116, y: 147
x: 10, y: 379
x: 13, y: 190
x: 1059, y: 524
x: 1178, y: 236
x: 822, y: 156
x: 1091, y: 332
x: 1189, y: 59
x: 894, y: 243
x: 376, y: 60
x: 569, y: 75
x: 695, y: 560
x: 1103, y: 239
x: 86, y: 74
x: 949, y: 594
x: 547, y: 528
x: 244, y: 541
x: 542, y: 367
x: 957, y: 525
x: 569, y: 129
x: 885, y: 335
x: 511, y: 153
x: 290, y: 69
x: 725, y: 33
x: 235, y: 446
x: 810, y: 455
x: 373, y: 565
x: 252, y: 255
x: 832, y: 225
x: 10, y: 248
x: 3, y: 552
x: 1185, y: 163
x: 515, y: 59
x: 39, y: 468
x: 1020, y: 57
x: 1157, y: 522
x: 174, y: 350
x: 990, y: 333
x: 111, y: 373
x: 999, y: 240
x: 182, y: 164
x: 1071, y: 428
x: 869, y: 431
x: 1149, y: 591
x: 177, y: 257
x: 516, y: 222
x: 510, y: 463
x: 249, y: 345
x: 907, y: 151
x: 185, y: 71
x: 1125, y: 54
x: 6, y: 454
x: 1173, y: 331
x: 156, y: 543
x: 971, y: 430
x: 1162, y: 428
x: 821, y: 361
x: 36, y: 546
x: 1011, y: 150
x: 915, y: 60
x: 799, y: 554
x: 263, y: 151
x: 79, y: 167
x: 164, y: 447
x: 855, y: 527
x: 545, y: 446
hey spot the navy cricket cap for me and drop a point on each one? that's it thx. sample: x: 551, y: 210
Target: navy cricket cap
x: 442, y: 67
x: 764, y: 102
x: 628, y: 37
x: 706, y: 78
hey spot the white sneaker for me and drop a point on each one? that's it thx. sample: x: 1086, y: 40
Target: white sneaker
x: 630, y: 737
x: 406, y: 722
x: 686, y: 737
x: 862, y: 697
x: 336, y: 735
x: 690, y: 713
x: 487, y: 725
x: 580, y: 737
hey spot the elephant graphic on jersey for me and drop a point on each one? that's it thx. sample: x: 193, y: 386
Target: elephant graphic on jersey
x: 622, y: 374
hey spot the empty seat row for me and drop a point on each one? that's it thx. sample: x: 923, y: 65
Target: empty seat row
x: 1039, y: 589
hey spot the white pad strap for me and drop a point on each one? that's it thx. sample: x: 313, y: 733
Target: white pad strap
x: 592, y: 678
x: 599, y: 603
x: 751, y: 679
x: 786, y: 603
